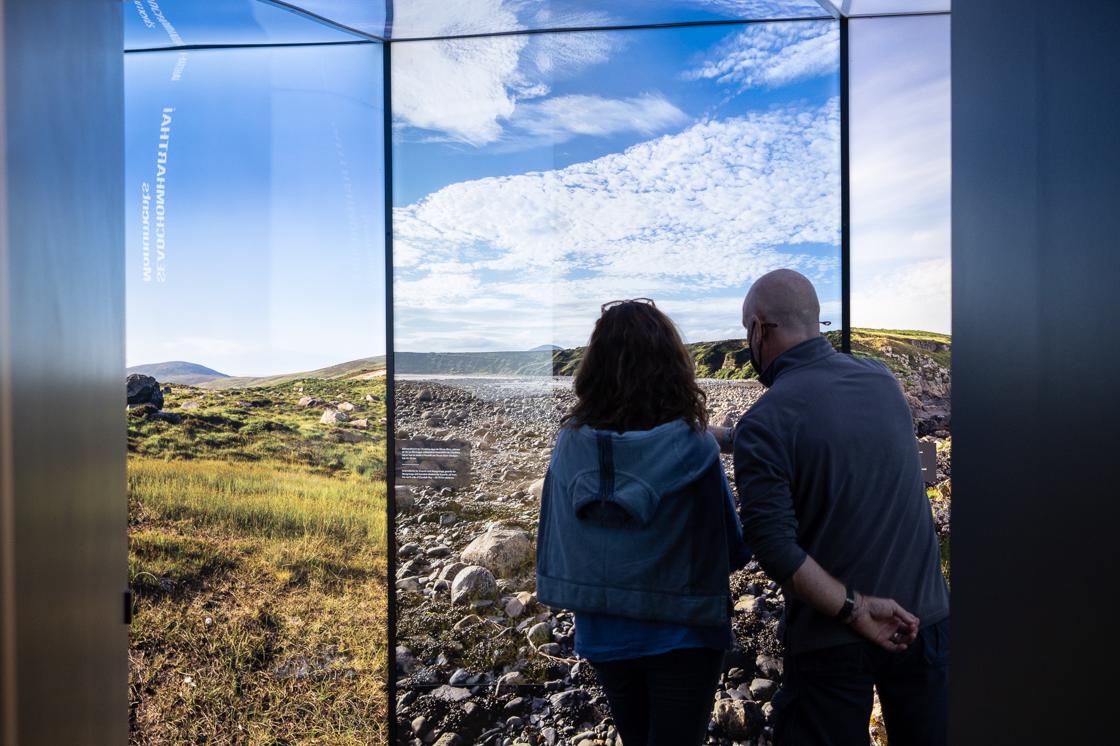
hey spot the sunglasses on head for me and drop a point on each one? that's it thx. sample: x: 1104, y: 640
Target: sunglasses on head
x: 615, y: 303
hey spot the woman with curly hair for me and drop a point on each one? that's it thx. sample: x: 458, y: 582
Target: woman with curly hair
x: 638, y: 529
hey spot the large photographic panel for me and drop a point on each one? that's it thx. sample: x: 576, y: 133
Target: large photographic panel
x: 535, y: 178
x: 256, y: 435
x: 900, y: 212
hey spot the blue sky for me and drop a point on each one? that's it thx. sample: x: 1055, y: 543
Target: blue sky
x: 535, y: 177
x: 569, y: 170
x: 900, y: 181
x: 274, y: 254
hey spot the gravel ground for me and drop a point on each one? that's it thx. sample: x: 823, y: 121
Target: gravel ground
x: 479, y: 661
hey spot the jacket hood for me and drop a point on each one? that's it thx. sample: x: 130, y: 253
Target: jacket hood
x: 608, y: 471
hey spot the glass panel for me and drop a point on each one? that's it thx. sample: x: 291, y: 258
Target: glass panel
x: 872, y: 7
x: 152, y: 24
x: 425, y: 18
x: 367, y: 16
x: 255, y: 330
x: 900, y: 212
x: 535, y: 178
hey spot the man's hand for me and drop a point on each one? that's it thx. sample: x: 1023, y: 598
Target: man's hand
x: 722, y: 436
x: 883, y: 622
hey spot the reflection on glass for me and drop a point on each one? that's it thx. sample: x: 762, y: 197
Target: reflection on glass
x: 255, y: 318
x: 152, y: 24
x: 535, y: 178
x: 890, y: 7
x: 427, y: 18
x: 900, y: 212
x: 367, y: 16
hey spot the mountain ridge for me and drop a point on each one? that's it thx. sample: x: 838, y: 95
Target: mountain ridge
x: 176, y: 371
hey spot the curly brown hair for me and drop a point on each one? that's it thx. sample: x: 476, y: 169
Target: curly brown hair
x: 636, y: 373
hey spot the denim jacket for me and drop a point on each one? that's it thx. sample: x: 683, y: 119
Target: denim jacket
x: 640, y: 525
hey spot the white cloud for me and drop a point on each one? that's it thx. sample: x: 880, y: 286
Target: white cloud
x: 459, y: 88
x: 769, y: 55
x: 696, y: 212
x: 760, y: 9
x: 915, y: 295
x: 468, y: 89
x: 561, y: 117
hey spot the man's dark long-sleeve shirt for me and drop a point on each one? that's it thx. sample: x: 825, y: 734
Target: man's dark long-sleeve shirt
x: 826, y: 464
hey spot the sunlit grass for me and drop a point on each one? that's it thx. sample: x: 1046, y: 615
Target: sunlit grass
x: 260, y: 499
x: 257, y: 555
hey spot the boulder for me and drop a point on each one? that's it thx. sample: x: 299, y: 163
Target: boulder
x: 406, y: 661
x: 539, y: 634
x: 346, y: 406
x: 473, y: 583
x: 451, y: 693
x: 448, y: 739
x: 449, y: 572
x: 142, y: 389
x: 142, y: 410
x: 751, y: 604
x: 769, y: 666
x: 189, y: 405
x: 762, y: 689
x: 511, y: 680
x: 735, y: 716
x: 310, y: 401
x: 332, y: 417
x: 568, y: 699
x: 516, y: 606
x: 503, y: 551
x: 362, y: 423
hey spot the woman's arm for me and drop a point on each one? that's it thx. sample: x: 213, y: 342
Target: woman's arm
x: 738, y: 553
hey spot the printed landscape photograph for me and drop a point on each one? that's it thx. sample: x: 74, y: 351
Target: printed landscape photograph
x: 539, y: 176
x: 256, y: 396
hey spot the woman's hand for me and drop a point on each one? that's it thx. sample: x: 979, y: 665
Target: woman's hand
x: 884, y: 622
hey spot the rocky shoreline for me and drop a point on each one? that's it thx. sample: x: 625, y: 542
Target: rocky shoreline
x: 478, y: 660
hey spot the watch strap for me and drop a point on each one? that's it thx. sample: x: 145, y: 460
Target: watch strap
x: 845, y: 612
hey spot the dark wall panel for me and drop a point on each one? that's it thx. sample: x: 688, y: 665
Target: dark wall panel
x: 63, y: 374
x: 1036, y: 268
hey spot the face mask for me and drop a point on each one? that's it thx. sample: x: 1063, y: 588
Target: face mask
x: 764, y: 376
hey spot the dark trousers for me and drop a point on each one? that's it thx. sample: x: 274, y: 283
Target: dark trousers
x: 826, y: 695
x: 662, y: 700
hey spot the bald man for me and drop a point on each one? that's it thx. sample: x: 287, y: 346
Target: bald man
x: 834, y: 507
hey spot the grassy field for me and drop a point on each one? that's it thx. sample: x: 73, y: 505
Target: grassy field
x: 257, y: 557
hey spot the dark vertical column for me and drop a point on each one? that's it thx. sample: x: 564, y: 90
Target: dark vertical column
x: 1036, y: 268
x: 63, y: 512
x: 845, y: 196
x: 390, y: 398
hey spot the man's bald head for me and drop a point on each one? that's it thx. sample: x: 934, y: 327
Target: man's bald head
x: 785, y: 298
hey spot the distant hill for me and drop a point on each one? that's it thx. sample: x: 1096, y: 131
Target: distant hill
x: 904, y: 352
x: 909, y: 354
x: 177, y: 371
x: 366, y: 367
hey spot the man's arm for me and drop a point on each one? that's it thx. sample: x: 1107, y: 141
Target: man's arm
x: 880, y: 620
x: 763, y: 477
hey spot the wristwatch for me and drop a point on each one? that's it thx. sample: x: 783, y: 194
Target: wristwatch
x: 845, y: 613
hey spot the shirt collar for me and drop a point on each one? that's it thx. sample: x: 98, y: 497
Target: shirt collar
x: 809, y: 351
